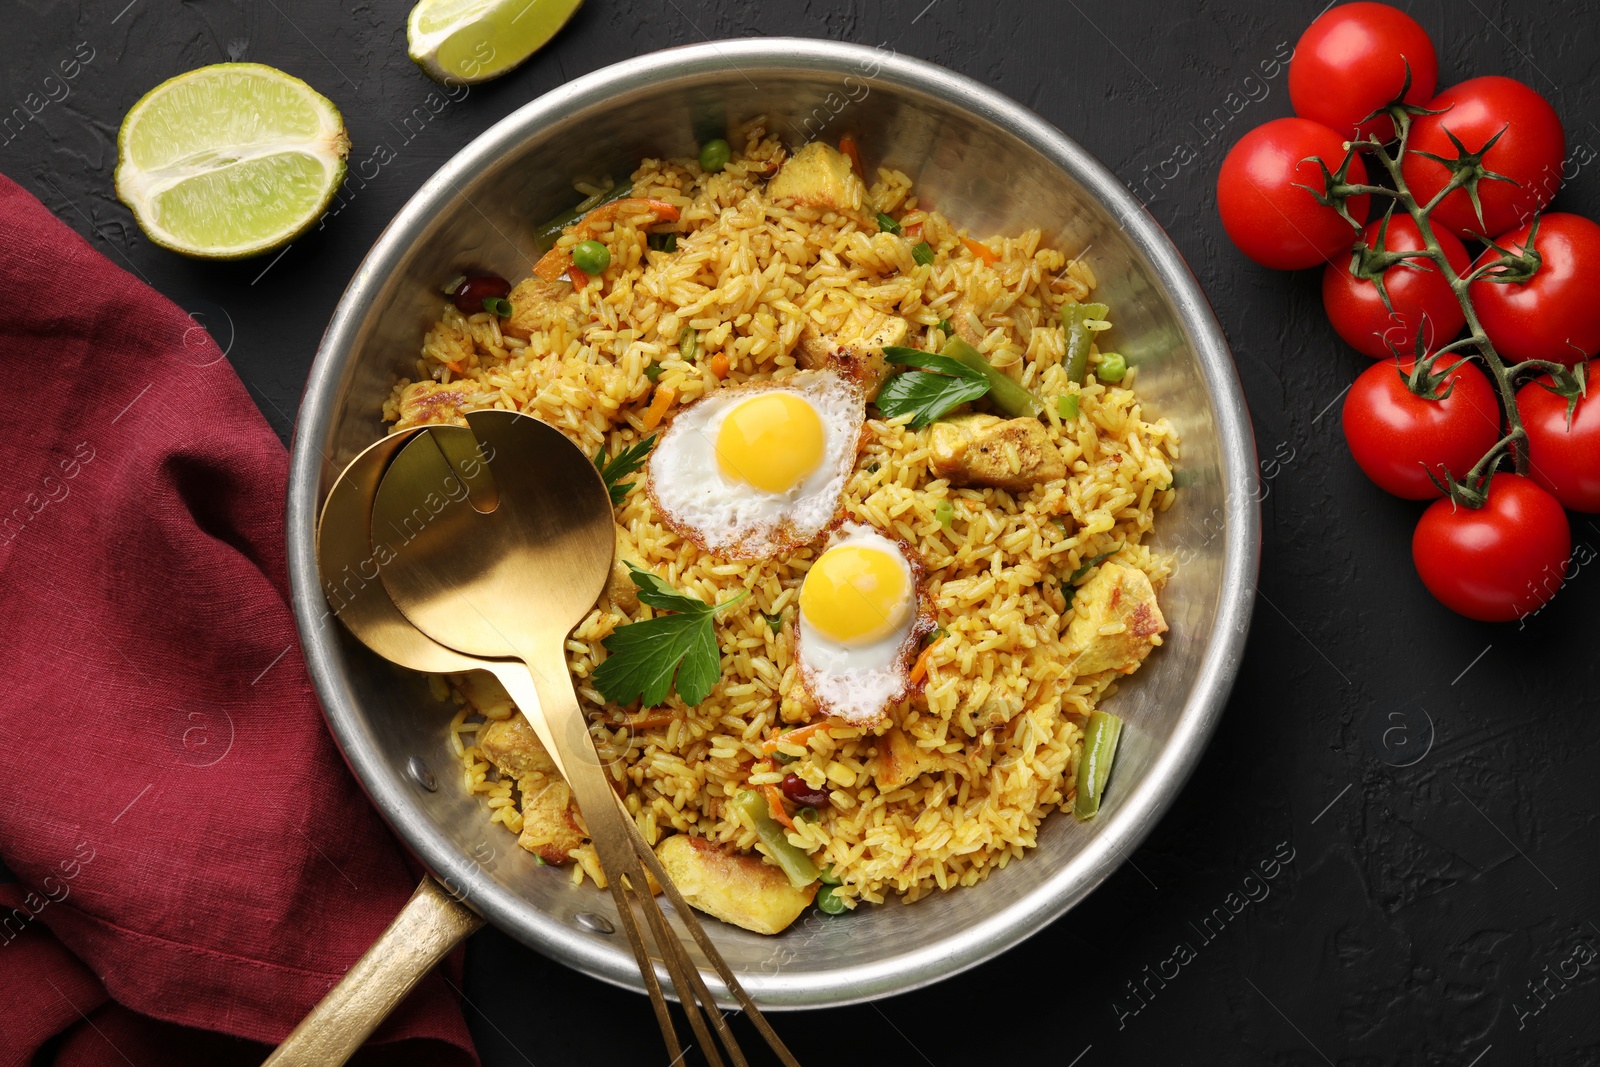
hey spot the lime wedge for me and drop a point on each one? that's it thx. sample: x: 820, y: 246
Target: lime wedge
x: 475, y: 40
x: 230, y: 160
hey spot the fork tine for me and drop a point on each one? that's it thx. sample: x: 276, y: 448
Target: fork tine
x: 648, y: 856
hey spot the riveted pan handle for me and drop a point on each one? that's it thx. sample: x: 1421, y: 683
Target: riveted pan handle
x: 431, y: 924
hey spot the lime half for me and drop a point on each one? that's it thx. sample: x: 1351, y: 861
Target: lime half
x: 475, y: 40
x: 230, y: 160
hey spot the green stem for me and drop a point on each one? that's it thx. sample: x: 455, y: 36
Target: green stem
x: 1504, y: 377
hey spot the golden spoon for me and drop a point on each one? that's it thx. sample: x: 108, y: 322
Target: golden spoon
x: 514, y: 582
x: 349, y: 568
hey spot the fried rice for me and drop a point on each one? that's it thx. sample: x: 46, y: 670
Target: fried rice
x: 993, y: 734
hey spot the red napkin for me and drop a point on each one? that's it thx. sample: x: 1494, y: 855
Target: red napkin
x: 193, y: 859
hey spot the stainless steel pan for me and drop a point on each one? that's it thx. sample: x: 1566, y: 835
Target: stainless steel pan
x: 986, y: 162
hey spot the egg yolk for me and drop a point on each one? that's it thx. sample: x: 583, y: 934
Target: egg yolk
x: 856, y: 594
x: 772, y: 441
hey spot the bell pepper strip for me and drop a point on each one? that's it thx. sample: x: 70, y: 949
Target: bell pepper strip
x: 1094, y: 762
x: 982, y: 251
x: 1074, y: 323
x: 794, y: 737
x: 775, y: 806
x: 795, y: 863
x: 1007, y: 395
x: 579, y: 278
x: 546, y: 236
x: 558, y: 261
x: 847, y: 145
x: 658, y: 406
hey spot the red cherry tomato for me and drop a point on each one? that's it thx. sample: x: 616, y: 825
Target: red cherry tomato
x: 1397, y: 437
x: 1564, y: 459
x: 1422, y: 299
x: 1554, y: 315
x: 1529, y: 152
x: 1352, y: 61
x: 1267, y: 214
x: 1498, y: 562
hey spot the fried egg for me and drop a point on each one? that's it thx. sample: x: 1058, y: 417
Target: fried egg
x: 863, y: 613
x: 753, y: 470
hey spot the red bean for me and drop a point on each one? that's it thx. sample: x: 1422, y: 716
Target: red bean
x: 795, y: 788
x: 471, y: 293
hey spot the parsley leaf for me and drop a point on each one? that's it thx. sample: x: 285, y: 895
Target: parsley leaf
x: 939, y: 384
x: 645, y: 656
x: 621, y: 465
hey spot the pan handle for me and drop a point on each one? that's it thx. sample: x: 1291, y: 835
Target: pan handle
x: 431, y: 924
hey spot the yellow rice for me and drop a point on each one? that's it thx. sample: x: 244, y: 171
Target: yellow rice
x: 746, y: 275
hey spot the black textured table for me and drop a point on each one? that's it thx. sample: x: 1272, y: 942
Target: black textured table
x: 1388, y: 854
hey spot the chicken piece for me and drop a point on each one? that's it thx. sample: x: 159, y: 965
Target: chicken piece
x: 821, y: 176
x: 1010, y: 454
x: 550, y: 828
x: 620, y: 590
x: 486, y: 695
x: 430, y: 403
x: 997, y: 709
x: 900, y: 761
x: 854, y: 352
x: 535, y: 305
x: 1115, y: 621
x: 737, y: 889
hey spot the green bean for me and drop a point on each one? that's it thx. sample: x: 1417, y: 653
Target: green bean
x: 1074, y: 323
x: 714, y: 155
x: 796, y: 864
x: 1007, y: 395
x: 945, y: 513
x: 1067, y: 406
x: 1112, y: 366
x: 828, y: 902
x: 1094, y: 764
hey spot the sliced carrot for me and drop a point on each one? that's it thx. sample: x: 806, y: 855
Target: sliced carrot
x: 775, y: 805
x: 553, y: 264
x: 453, y: 365
x: 658, y: 407
x: 919, y: 669
x: 982, y: 251
x: 798, y: 737
x: 720, y: 365
x: 579, y: 278
x: 847, y: 145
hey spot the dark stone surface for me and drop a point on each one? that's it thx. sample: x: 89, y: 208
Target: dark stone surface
x: 1431, y: 881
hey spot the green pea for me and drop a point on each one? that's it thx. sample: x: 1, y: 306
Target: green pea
x: 828, y: 902
x: 826, y: 875
x: 1112, y: 367
x: 591, y: 257
x: 714, y: 155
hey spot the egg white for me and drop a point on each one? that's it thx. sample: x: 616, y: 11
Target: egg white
x: 858, y: 683
x: 734, y: 519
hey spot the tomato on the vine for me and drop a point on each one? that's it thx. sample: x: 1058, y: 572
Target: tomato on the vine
x: 1529, y: 152
x: 1497, y: 562
x: 1397, y: 437
x: 1352, y: 60
x: 1563, y: 458
x: 1421, y: 297
x: 1553, y: 315
x: 1264, y: 209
